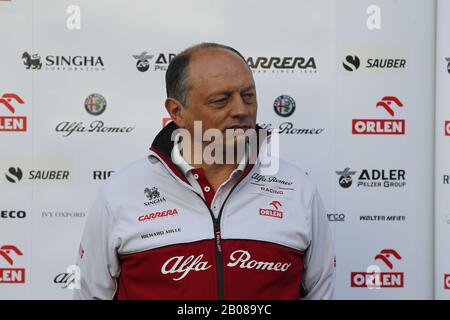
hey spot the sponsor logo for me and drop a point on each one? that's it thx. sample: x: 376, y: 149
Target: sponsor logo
x: 374, y: 278
x: 336, y: 217
x: 160, y: 233
x: 143, y: 63
x: 275, y: 213
x: 27, y: 170
x: 384, y: 218
x: 183, y: 266
x: 282, y: 64
x: 147, y: 61
x: 446, y: 179
x: 345, y: 177
x: 242, y: 259
x: 284, y: 106
x: 12, y: 123
x: 158, y: 214
x: 11, y: 275
x: 63, y: 214
x: 13, y: 214
x: 373, y: 178
x: 447, y: 281
x: 375, y: 59
x: 98, y: 126
x: 101, y: 174
x: 381, y: 126
x: 15, y: 174
x: 448, y: 64
x: 95, y: 104
x: 259, y: 178
x: 63, y: 63
x: 288, y: 128
x: 70, y: 279
x: 239, y: 258
x: 351, y: 63
x: 447, y: 128
x: 153, y: 196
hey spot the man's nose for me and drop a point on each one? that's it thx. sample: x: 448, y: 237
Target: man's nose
x: 239, y: 109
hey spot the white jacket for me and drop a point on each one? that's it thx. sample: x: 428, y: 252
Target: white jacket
x: 152, y: 235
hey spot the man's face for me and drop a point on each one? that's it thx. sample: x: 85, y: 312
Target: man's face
x: 222, y: 94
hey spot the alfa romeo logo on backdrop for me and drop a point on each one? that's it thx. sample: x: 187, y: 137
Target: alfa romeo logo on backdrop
x: 351, y: 63
x: 448, y: 64
x: 142, y: 63
x: 95, y: 104
x: 31, y: 61
x: 284, y: 106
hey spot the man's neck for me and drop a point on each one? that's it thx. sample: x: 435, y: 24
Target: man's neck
x: 216, y: 173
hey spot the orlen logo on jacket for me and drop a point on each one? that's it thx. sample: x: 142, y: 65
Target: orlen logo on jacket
x: 373, y: 278
x: 275, y: 213
x: 447, y: 128
x: 9, y: 253
x: 9, y: 102
x: 382, y: 126
x: 158, y: 214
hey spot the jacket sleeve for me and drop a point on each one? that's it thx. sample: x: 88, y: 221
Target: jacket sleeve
x: 319, y: 259
x: 97, y: 259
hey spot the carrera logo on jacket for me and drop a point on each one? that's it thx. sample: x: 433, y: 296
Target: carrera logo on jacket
x: 158, y: 214
x: 238, y: 258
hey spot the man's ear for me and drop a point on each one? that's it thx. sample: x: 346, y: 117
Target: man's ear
x: 174, y: 107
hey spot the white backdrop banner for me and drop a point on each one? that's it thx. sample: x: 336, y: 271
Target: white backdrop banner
x: 82, y: 94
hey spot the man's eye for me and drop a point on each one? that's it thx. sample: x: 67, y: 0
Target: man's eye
x: 249, y: 97
x: 220, y: 101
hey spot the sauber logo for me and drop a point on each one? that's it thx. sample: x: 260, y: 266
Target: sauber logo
x: 447, y: 128
x: 12, y: 123
x: 272, y: 213
x: 373, y: 278
x: 381, y: 126
x: 181, y: 266
x: 158, y: 214
x: 447, y: 281
x: 11, y: 275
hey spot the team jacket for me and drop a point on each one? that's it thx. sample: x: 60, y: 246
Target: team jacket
x: 151, y: 235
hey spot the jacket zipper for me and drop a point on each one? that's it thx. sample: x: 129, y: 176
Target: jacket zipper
x: 218, y: 240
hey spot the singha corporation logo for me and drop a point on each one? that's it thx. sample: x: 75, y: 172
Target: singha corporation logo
x: 153, y: 196
x: 32, y: 61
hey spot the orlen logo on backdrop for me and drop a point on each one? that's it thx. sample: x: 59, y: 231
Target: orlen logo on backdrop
x: 447, y: 281
x: 447, y: 128
x: 10, y: 101
x: 373, y: 278
x: 9, y: 253
x: 382, y: 126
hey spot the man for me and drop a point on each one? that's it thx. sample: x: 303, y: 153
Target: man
x: 171, y: 227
